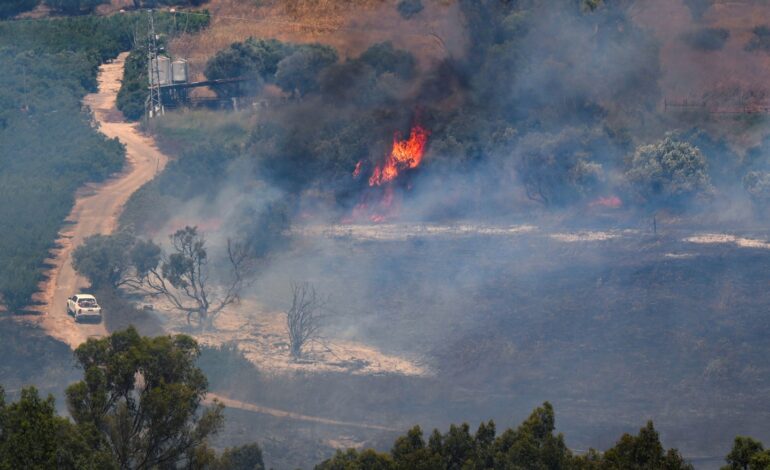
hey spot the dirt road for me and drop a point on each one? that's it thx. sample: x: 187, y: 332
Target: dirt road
x: 240, y: 405
x: 97, y: 207
x: 96, y: 211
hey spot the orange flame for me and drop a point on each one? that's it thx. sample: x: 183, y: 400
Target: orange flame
x: 406, y: 154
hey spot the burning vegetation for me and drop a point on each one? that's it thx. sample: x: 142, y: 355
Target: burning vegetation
x: 405, y: 155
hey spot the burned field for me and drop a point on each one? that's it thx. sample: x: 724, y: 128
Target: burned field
x: 613, y: 331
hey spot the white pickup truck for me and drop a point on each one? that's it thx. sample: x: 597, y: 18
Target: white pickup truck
x: 84, y: 308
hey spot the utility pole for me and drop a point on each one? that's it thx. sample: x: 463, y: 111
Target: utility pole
x: 155, y: 103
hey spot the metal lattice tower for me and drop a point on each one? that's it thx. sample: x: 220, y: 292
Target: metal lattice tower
x: 154, y: 101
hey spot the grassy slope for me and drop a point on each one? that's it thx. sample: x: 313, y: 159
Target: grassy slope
x: 350, y: 27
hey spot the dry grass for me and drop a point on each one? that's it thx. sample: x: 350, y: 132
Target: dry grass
x: 349, y: 26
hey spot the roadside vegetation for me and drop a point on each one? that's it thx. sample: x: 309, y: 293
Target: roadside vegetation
x: 48, y: 66
x: 140, y: 404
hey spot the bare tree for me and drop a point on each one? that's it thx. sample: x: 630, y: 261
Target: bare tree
x: 303, y: 319
x: 183, y: 277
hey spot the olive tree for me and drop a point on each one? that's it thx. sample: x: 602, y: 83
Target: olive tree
x: 757, y: 184
x: 668, y: 172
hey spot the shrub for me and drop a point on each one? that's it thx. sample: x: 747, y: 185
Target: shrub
x: 668, y: 172
x: 707, y: 39
x: 761, y: 39
x: 9, y: 8
x: 409, y: 8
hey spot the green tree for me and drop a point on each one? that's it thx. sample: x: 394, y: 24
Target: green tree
x: 668, y: 172
x: 74, y: 7
x: 533, y: 444
x: 10, y: 8
x: 642, y: 452
x: 747, y: 454
x: 353, y: 460
x: 104, y: 260
x: 141, y: 400
x: 253, y: 58
x: 33, y: 437
x: 698, y: 8
x: 383, y: 57
x: 410, y: 452
x: 408, y: 8
x: 298, y: 73
x: 245, y: 457
x: 557, y: 169
x: 757, y: 184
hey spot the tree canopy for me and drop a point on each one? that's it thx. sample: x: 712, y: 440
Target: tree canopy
x: 669, y: 170
x: 141, y: 399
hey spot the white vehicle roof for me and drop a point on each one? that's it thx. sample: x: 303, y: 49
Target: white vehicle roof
x: 85, y: 296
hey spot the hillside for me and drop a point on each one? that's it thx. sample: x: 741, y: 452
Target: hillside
x: 350, y: 27
x: 394, y: 213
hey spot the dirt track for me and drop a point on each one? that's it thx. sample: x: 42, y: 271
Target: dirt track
x: 230, y: 403
x: 97, y: 207
x: 96, y: 211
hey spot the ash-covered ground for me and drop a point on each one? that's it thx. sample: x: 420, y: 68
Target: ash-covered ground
x: 612, y: 327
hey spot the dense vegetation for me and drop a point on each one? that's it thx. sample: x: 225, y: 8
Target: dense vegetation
x: 140, y: 405
x: 10, y: 8
x: 505, y: 114
x: 532, y: 445
x: 48, y: 66
x: 74, y: 7
x: 564, y: 145
x: 39, y: 176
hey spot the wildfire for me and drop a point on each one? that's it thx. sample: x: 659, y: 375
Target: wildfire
x: 406, y: 154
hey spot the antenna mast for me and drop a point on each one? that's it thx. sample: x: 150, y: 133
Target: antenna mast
x: 154, y: 102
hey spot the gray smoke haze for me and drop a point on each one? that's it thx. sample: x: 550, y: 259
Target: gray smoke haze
x: 500, y: 267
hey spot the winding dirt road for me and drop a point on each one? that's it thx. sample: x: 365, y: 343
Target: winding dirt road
x: 97, y: 207
x: 96, y: 211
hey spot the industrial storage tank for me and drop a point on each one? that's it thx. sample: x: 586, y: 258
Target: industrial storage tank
x: 160, y: 71
x: 179, y: 72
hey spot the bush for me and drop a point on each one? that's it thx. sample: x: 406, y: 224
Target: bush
x: 707, y: 39
x: 74, y: 7
x: 757, y: 184
x: 408, y: 8
x: 253, y: 58
x: 39, y: 176
x: 133, y: 89
x: 668, y: 172
x: 761, y: 39
x: 383, y: 57
x: 698, y: 7
x: 57, y: 60
x: 9, y: 8
x: 299, y: 72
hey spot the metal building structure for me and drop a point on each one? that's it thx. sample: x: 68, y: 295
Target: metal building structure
x: 179, y: 71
